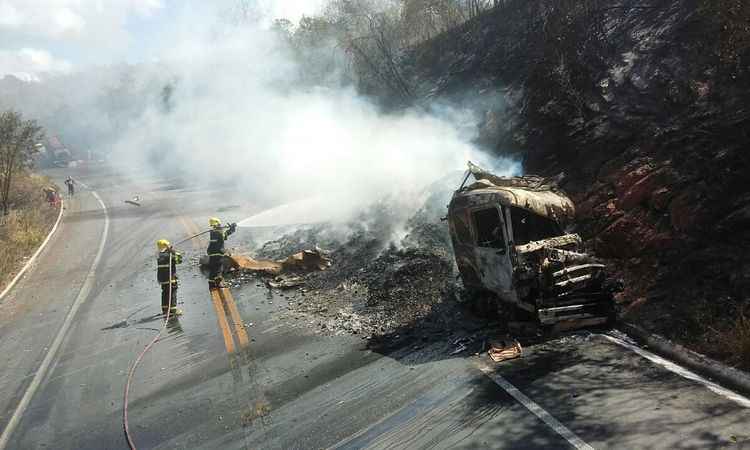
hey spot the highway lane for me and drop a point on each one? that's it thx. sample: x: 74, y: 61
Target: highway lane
x: 114, y: 323
x: 33, y: 312
x: 282, y: 386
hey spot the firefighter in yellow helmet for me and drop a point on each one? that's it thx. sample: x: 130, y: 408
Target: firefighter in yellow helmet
x: 166, y: 273
x: 216, y: 251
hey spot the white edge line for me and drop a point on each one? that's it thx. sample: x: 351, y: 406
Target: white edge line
x: 28, y: 264
x: 55, y: 347
x: 535, y: 409
x: 681, y: 371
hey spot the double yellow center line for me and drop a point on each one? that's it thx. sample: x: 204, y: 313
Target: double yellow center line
x: 224, y: 304
x: 222, y: 300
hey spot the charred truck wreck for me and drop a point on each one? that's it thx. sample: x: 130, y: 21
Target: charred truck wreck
x: 510, y: 245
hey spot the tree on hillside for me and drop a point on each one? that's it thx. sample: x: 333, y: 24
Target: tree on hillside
x: 316, y: 46
x: 18, y: 140
x: 377, y: 34
x: 425, y: 19
x: 364, y: 42
x: 372, y: 33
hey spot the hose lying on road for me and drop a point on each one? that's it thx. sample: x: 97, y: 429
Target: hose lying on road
x: 146, y: 349
x: 137, y: 361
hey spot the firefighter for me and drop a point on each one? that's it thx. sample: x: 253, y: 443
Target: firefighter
x: 166, y: 273
x: 216, y: 251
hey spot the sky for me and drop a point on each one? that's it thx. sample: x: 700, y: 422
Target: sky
x: 39, y: 37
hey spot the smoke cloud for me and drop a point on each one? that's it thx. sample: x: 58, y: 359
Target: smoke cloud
x: 227, y: 106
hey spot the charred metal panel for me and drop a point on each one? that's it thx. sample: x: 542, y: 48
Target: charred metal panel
x: 491, y: 250
x: 462, y: 237
x: 553, y: 242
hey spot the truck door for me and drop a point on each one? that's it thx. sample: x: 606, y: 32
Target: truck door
x: 492, y: 254
x: 459, y: 221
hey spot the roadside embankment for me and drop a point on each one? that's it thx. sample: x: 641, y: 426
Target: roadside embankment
x: 728, y: 376
x: 26, y: 225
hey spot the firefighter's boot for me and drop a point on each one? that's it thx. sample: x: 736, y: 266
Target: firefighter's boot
x: 216, y: 283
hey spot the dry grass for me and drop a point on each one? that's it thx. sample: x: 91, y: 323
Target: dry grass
x: 26, y: 226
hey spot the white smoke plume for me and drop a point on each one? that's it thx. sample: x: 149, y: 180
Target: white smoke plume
x: 225, y: 106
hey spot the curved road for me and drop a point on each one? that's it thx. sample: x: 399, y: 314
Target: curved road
x: 234, y: 372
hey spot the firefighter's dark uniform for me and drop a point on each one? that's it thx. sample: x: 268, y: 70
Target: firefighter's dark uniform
x: 216, y: 253
x: 71, y: 186
x: 166, y: 273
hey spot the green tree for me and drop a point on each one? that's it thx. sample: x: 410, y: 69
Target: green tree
x: 18, y: 139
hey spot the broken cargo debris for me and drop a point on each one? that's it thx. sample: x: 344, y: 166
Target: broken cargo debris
x: 285, y: 272
x: 282, y: 282
x: 505, y: 349
x: 305, y: 261
x: 508, y: 240
x: 241, y: 262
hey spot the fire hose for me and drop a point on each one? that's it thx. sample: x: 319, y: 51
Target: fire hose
x: 197, y: 235
x: 137, y: 361
x: 134, y: 366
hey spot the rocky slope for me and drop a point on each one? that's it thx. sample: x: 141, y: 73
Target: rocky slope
x: 642, y: 111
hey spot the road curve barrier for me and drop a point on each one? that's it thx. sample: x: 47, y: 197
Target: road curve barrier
x: 703, y: 365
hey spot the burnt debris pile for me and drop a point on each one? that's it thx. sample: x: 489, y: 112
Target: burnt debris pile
x: 392, y: 277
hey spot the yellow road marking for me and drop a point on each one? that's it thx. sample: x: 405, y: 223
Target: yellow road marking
x: 219, y: 298
x: 221, y: 317
x: 192, y: 228
x: 223, y: 325
x: 236, y: 318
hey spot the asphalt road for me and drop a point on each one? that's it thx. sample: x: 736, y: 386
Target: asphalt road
x: 235, y: 372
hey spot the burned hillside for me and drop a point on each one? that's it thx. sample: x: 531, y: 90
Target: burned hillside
x: 639, y: 109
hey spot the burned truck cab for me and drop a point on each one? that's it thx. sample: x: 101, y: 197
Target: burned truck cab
x: 509, y: 241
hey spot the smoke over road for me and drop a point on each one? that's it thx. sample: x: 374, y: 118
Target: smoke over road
x: 227, y: 105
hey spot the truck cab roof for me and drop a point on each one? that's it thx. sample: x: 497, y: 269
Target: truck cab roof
x: 534, y: 194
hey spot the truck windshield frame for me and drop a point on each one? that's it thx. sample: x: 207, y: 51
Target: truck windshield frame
x: 530, y: 227
x: 488, y: 226
x: 462, y: 229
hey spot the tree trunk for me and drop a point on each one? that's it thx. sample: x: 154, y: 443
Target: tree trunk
x: 7, y: 176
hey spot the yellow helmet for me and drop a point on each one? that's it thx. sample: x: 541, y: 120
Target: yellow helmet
x: 162, y: 244
x: 214, y: 222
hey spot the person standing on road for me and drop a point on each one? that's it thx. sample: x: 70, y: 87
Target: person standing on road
x: 71, y: 183
x: 216, y: 251
x: 166, y: 274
